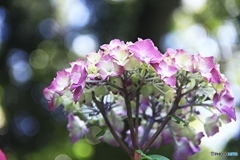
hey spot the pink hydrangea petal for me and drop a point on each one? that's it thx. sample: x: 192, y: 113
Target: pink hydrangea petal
x: 119, y: 55
x: 77, y: 73
x: 164, y: 70
x: 171, y: 81
x: 224, y: 103
x: 77, y: 93
x: 2, y: 155
x: 215, y: 76
x: 184, y: 60
x: 204, y: 64
x: 145, y: 51
x: 113, y: 43
x: 108, y: 67
x: 62, y: 80
x: 94, y: 57
x: 48, y: 93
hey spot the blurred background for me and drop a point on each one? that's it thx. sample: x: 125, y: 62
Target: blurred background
x: 40, y: 37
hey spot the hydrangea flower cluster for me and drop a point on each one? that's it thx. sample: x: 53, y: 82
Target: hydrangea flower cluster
x: 159, y: 95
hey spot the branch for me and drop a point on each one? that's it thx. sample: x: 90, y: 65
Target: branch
x: 167, y: 119
x: 194, y: 104
x: 113, y: 85
x: 129, y: 115
x: 119, y: 141
x: 137, y: 114
x: 146, y: 132
x: 156, y: 134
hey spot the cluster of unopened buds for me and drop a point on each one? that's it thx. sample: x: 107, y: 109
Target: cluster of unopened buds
x: 158, y: 95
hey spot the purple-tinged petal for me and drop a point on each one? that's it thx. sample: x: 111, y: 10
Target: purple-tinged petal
x: 185, y: 147
x: 79, y: 76
x: 144, y: 103
x: 164, y: 70
x: 182, y: 149
x: 77, y: 93
x: 204, y: 64
x: 211, y: 125
x: 158, y: 141
x: 215, y: 76
x: 198, y: 138
x: 167, y: 136
x: 79, y: 62
x: 171, y: 81
x: 128, y: 138
x: 224, y: 103
x: 76, y: 127
x: 62, y: 80
x: 49, y: 95
x: 145, y: 51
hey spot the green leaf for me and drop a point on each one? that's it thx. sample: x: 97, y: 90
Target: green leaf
x: 157, y: 157
x: 144, y: 156
x: 151, y: 157
x: 101, y: 133
x: 146, y: 90
x: 143, y: 72
x: 101, y: 90
x: 178, y: 120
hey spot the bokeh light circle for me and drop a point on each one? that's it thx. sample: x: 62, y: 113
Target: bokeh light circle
x: 84, y: 44
x: 38, y: 59
x: 90, y: 136
x: 62, y: 157
x: 82, y: 149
